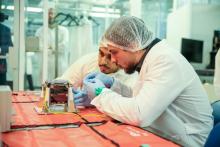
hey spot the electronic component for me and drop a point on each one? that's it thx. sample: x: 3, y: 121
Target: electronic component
x: 58, y: 97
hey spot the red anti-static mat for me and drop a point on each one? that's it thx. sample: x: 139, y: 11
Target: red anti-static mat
x: 93, y: 115
x: 26, y: 116
x: 24, y: 97
x: 69, y: 137
x: 106, y: 135
x: 126, y: 135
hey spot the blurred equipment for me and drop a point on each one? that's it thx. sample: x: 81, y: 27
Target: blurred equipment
x: 58, y: 97
x: 5, y: 108
x: 215, y: 47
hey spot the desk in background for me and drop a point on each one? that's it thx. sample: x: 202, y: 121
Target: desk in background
x: 206, y: 75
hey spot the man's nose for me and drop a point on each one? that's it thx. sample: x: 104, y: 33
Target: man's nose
x: 113, y: 60
x: 103, y: 61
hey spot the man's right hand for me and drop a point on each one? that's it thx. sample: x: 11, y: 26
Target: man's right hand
x: 106, y: 80
x: 90, y: 76
x: 81, y: 98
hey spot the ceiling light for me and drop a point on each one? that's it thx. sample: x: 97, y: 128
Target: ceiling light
x: 3, y: 7
x: 32, y: 9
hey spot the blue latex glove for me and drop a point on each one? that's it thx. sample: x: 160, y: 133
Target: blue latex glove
x: 107, y: 80
x: 91, y: 86
x: 81, y: 98
x: 90, y: 76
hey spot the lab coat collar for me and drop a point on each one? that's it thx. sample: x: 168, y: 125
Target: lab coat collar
x: 140, y: 63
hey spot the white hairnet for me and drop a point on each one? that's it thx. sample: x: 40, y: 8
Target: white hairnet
x: 102, y: 42
x: 128, y: 33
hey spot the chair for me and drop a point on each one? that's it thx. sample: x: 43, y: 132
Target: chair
x: 216, y: 111
x: 214, y: 137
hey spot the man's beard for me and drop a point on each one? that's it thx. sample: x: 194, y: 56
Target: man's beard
x: 52, y: 23
x: 130, y: 69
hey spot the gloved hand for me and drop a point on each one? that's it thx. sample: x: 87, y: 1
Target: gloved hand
x: 90, y: 76
x: 107, y: 80
x: 92, y: 86
x: 81, y: 98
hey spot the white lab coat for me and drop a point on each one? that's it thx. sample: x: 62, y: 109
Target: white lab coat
x: 89, y: 63
x: 63, y: 40
x: 81, y: 45
x: 168, y: 97
x: 217, y: 75
x: 29, y: 68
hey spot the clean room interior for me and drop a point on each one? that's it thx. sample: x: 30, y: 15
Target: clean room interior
x: 46, y: 37
x: 165, y: 18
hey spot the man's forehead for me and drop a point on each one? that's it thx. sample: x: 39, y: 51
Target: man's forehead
x: 113, y: 48
x: 104, y: 49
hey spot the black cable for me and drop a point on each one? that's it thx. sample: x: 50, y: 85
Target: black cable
x: 97, y: 132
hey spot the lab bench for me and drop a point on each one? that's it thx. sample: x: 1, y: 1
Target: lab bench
x: 88, y: 127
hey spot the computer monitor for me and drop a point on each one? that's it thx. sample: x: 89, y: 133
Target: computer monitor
x: 192, y: 50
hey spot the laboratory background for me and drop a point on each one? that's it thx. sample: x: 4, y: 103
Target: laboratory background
x: 41, y: 39
x: 190, y: 26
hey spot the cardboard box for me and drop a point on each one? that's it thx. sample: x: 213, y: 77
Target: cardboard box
x: 5, y: 108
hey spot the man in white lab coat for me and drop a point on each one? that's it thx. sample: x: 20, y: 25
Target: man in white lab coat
x: 168, y: 96
x: 63, y: 40
x: 95, y: 62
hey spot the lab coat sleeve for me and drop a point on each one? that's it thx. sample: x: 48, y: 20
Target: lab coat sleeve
x: 217, y: 74
x: 121, y: 89
x: 79, y: 69
x: 39, y: 34
x: 161, y: 85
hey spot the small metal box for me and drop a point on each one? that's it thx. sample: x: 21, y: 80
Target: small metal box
x: 58, y: 97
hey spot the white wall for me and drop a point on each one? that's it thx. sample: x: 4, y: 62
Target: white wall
x: 178, y: 26
x: 195, y: 21
x: 206, y: 19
